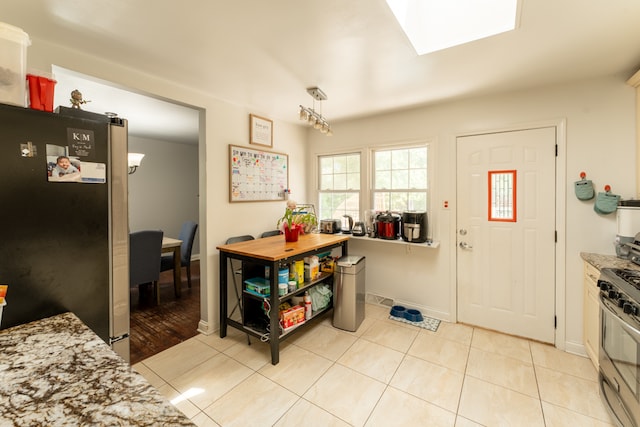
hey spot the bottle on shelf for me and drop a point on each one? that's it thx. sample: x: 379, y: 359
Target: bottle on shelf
x: 307, y: 305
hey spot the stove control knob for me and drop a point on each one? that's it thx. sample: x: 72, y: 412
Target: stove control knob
x: 613, y: 294
x: 603, y: 285
x: 622, y: 303
x: 630, y: 308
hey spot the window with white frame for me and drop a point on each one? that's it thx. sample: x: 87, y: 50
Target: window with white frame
x: 339, y: 186
x: 400, y: 179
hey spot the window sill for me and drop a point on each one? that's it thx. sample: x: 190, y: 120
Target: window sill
x: 429, y: 244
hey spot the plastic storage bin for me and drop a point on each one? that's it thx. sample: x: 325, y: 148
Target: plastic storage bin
x: 41, y: 88
x: 13, y: 65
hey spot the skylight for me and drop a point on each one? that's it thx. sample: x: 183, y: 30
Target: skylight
x: 433, y: 25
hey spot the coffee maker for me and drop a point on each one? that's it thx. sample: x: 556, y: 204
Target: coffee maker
x: 628, y: 225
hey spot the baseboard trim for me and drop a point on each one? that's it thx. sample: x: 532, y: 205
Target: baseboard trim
x: 203, y: 328
x: 575, y: 348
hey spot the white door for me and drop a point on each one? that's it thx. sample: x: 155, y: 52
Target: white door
x: 506, y: 232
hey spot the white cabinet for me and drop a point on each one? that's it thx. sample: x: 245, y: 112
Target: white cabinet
x: 635, y: 82
x: 591, y: 313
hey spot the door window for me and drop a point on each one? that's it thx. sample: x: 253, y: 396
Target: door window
x: 502, y: 196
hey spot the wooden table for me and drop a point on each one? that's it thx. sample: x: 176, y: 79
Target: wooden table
x: 173, y: 245
x: 271, y: 252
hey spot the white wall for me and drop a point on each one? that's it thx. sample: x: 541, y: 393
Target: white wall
x: 163, y: 192
x: 600, y: 133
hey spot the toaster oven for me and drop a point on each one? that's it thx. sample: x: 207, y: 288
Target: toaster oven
x: 330, y: 226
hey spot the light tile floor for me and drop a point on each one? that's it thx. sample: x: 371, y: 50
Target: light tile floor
x: 386, y: 374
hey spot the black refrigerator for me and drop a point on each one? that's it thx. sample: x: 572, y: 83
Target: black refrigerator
x: 64, y: 240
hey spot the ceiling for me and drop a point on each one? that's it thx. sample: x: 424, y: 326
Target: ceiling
x: 148, y: 117
x: 262, y: 55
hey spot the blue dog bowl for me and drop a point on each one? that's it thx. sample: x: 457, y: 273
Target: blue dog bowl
x: 413, y: 315
x: 398, y: 311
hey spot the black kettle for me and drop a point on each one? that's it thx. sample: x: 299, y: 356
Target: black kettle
x: 347, y: 224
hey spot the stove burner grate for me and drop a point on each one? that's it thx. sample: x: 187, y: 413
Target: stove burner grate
x: 629, y: 276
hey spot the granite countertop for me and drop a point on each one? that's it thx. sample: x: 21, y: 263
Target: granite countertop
x: 600, y: 261
x: 56, y: 371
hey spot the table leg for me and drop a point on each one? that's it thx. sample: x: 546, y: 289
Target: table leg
x: 223, y: 294
x: 274, y: 335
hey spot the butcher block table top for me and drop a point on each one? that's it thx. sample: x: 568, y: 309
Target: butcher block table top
x: 275, y: 248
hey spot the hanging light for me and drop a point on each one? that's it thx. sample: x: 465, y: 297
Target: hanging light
x: 303, y: 114
x: 313, y: 117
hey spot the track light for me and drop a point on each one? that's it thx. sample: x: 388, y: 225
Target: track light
x: 311, y: 116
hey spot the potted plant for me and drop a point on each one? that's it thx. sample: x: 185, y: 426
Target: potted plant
x: 296, y: 220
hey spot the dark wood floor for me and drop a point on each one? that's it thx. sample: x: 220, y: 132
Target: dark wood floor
x: 155, y: 328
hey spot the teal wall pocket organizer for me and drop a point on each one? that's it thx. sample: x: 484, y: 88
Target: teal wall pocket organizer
x: 584, y: 188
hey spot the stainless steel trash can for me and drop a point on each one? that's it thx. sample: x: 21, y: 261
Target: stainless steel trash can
x: 349, y: 292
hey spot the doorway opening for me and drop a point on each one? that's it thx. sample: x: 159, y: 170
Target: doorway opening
x: 163, y: 192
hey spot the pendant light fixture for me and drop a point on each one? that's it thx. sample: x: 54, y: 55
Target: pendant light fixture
x: 313, y: 117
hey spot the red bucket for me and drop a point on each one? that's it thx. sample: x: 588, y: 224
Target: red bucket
x: 41, y: 92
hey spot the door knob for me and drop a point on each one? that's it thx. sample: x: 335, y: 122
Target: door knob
x: 465, y: 245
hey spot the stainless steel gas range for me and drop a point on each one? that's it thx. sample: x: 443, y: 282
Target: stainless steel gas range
x: 620, y: 343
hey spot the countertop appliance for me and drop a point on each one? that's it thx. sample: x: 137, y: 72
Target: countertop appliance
x: 330, y: 226
x: 414, y: 226
x: 359, y: 229
x: 628, y: 224
x: 619, y: 375
x: 387, y: 226
x: 65, y: 238
x: 347, y: 224
x: 633, y: 250
x: 370, y: 222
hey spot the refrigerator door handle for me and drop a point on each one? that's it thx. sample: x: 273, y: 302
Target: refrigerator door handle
x: 119, y: 338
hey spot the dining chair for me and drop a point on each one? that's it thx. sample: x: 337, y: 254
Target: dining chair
x: 145, y: 248
x: 187, y: 235
x: 236, y: 270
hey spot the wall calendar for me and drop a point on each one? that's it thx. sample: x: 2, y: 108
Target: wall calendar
x: 256, y: 175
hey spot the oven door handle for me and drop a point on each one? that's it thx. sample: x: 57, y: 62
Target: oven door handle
x: 622, y: 322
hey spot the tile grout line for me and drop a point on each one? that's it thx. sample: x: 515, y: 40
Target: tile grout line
x: 535, y: 374
x: 464, y: 376
x: 387, y: 385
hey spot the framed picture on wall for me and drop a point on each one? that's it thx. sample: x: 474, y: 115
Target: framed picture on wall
x: 260, y: 131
